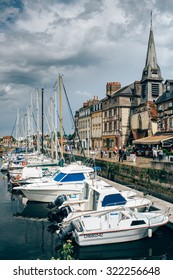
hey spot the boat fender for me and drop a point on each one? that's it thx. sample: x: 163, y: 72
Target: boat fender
x: 150, y: 232
x: 18, y: 177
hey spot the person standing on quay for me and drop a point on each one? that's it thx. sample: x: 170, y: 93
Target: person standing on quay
x: 120, y: 154
x: 115, y: 152
x: 154, y: 153
x: 101, y: 153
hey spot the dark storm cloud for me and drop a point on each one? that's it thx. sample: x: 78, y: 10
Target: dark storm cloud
x: 20, y: 77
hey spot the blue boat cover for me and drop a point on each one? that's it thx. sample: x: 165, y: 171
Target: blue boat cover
x: 113, y: 200
x: 73, y: 177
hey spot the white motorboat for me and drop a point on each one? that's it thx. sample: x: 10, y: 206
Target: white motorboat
x: 97, y: 196
x: 67, y: 180
x: 30, y: 175
x: 27, y: 173
x: 115, y: 227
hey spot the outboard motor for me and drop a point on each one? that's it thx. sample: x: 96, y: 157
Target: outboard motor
x: 59, y: 215
x: 58, y: 201
x: 65, y: 233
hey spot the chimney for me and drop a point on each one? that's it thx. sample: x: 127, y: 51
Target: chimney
x: 112, y: 87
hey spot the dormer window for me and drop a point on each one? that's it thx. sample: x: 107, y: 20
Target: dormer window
x: 168, y: 88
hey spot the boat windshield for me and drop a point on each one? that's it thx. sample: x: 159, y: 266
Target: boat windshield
x: 71, y: 177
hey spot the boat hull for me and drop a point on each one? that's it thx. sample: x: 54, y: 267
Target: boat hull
x: 49, y: 194
x: 108, y: 237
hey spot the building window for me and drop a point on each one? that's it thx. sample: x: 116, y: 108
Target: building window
x: 115, y: 125
x: 140, y: 122
x: 160, y: 108
x: 170, y: 105
x: 110, y: 126
x: 105, y: 127
x: 115, y: 111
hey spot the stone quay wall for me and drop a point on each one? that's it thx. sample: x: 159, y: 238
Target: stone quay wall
x: 156, y: 182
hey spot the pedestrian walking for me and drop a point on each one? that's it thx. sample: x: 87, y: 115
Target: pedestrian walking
x: 160, y: 154
x: 121, y: 154
x: 154, y: 153
x: 115, y: 151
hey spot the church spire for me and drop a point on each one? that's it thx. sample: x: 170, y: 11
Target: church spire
x: 151, y: 73
x: 151, y: 66
x: 151, y: 23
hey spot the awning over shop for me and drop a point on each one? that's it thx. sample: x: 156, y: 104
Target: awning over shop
x: 155, y: 139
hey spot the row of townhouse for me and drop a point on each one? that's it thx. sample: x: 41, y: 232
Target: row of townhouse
x: 136, y: 111
x: 105, y: 123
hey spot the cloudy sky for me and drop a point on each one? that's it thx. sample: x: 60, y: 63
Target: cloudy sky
x: 90, y: 42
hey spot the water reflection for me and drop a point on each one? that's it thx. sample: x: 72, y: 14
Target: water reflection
x: 142, y: 249
x: 32, y: 209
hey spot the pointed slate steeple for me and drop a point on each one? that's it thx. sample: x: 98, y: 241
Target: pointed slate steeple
x: 151, y: 77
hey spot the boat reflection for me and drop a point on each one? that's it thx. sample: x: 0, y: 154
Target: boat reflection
x: 148, y: 248
x: 31, y: 209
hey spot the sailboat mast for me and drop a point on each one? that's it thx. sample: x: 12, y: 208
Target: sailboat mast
x: 56, y: 123
x: 61, y: 118
x: 38, y: 123
x: 17, y: 128
x: 51, y: 127
x: 42, y: 120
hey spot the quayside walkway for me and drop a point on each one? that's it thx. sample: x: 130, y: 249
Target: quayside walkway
x: 140, y: 161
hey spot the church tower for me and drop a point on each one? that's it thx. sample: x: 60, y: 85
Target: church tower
x: 151, y: 80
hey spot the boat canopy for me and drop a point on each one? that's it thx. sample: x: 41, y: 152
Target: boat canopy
x: 71, y: 177
x: 113, y: 199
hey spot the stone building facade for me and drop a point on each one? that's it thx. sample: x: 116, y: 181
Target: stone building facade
x: 132, y: 112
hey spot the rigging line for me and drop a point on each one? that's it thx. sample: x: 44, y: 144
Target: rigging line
x: 76, y: 129
x: 59, y: 118
x: 13, y: 126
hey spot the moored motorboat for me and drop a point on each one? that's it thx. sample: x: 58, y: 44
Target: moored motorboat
x: 97, y: 196
x: 115, y: 227
x: 67, y: 180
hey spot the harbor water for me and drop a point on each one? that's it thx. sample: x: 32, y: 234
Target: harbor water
x: 25, y: 235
